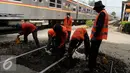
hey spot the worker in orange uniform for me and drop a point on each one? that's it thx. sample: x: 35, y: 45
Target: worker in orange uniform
x: 68, y: 24
x: 79, y: 35
x: 51, y: 35
x: 59, y: 41
x: 99, y: 32
x: 28, y: 28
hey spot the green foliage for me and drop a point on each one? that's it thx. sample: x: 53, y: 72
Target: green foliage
x: 89, y: 23
x: 126, y: 26
x: 113, y: 13
x: 124, y: 22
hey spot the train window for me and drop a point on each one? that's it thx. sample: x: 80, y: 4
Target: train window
x: 52, y: 4
x: 55, y: 3
x: 74, y: 9
x: 52, y: 1
x: 88, y: 10
x: 59, y: 1
x: 40, y: 0
x: 68, y: 5
x: 34, y: 0
x: 17, y: 0
x: 20, y: 1
x: 58, y: 6
x: 84, y: 10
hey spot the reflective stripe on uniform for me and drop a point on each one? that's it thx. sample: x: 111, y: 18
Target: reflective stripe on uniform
x: 104, y: 32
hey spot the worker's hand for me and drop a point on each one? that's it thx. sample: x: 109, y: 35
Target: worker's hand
x: 48, y: 51
x: 17, y: 40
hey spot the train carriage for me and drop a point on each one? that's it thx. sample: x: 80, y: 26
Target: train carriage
x: 42, y: 11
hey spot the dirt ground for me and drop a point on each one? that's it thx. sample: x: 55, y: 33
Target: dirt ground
x: 117, y: 46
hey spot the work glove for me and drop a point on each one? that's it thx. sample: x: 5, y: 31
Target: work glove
x: 17, y: 40
x: 48, y: 51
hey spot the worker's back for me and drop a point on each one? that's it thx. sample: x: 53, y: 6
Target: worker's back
x: 28, y: 27
x: 79, y: 34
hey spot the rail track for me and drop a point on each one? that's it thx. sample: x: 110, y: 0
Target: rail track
x: 111, y: 69
x: 9, y: 62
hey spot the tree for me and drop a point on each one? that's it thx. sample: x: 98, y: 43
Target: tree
x: 113, y: 14
x: 91, y: 3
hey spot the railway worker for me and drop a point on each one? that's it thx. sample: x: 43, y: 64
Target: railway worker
x: 99, y: 32
x: 79, y: 35
x: 68, y: 24
x: 51, y: 35
x: 59, y: 40
x: 28, y: 28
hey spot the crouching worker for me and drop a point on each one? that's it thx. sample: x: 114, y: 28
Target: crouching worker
x: 59, y: 41
x: 79, y: 35
x: 28, y: 28
x: 51, y: 36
